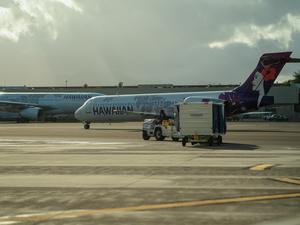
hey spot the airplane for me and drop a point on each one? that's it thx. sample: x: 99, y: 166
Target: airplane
x: 248, y: 96
x: 38, y: 106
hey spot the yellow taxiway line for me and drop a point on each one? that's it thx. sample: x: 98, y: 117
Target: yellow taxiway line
x: 78, y: 213
x: 261, y: 167
x: 287, y: 180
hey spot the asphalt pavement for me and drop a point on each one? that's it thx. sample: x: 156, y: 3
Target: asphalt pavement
x: 59, y: 173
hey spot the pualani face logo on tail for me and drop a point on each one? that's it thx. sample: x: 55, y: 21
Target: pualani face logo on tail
x: 253, y: 92
x: 268, y: 73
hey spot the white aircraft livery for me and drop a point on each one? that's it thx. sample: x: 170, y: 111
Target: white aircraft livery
x: 24, y: 106
x: 246, y: 97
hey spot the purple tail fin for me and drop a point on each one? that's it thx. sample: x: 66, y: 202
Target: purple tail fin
x: 269, y: 66
x: 262, y: 78
x: 252, y: 93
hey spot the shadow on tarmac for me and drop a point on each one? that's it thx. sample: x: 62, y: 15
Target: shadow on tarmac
x: 121, y: 129
x: 265, y: 131
x: 225, y: 146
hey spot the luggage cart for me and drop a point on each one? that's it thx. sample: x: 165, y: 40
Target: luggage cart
x: 200, y: 122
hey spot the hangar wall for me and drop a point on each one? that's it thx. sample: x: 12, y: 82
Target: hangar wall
x: 286, y: 99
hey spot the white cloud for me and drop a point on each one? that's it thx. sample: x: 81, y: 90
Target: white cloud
x: 69, y: 3
x: 12, y: 28
x: 22, y: 16
x: 281, y: 33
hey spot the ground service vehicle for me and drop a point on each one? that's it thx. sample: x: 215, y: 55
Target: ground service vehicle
x: 160, y: 129
x: 200, y: 121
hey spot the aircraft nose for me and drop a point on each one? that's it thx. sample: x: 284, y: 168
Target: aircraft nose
x: 79, y: 114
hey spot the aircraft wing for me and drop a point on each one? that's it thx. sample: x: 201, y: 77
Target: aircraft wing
x: 10, y: 106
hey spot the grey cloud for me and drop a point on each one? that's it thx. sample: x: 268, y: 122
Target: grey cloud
x: 20, y: 17
x: 141, y: 41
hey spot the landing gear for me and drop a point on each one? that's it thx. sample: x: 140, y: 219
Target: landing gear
x: 86, y: 125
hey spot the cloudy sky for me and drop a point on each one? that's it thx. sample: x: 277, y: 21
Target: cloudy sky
x: 103, y: 42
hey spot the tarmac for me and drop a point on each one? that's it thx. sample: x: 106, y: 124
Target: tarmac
x: 59, y: 173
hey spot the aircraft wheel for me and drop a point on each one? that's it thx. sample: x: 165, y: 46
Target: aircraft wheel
x: 86, y: 126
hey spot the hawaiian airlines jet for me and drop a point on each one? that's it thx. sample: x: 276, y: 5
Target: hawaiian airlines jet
x: 24, y: 106
x: 246, y: 97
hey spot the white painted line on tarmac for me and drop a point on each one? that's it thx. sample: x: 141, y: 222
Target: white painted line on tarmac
x: 50, y: 145
x: 47, y: 141
x: 8, y: 222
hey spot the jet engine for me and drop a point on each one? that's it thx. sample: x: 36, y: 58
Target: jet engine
x: 32, y: 113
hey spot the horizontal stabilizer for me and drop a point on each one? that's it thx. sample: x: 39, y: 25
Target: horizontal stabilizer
x: 294, y: 60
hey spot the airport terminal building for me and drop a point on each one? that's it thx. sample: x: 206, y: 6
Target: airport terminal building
x: 286, y: 98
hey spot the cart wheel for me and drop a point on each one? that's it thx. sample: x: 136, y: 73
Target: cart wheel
x: 184, y: 141
x: 158, y: 134
x: 175, y: 139
x: 145, y: 135
x: 210, y: 141
x: 219, y: 140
